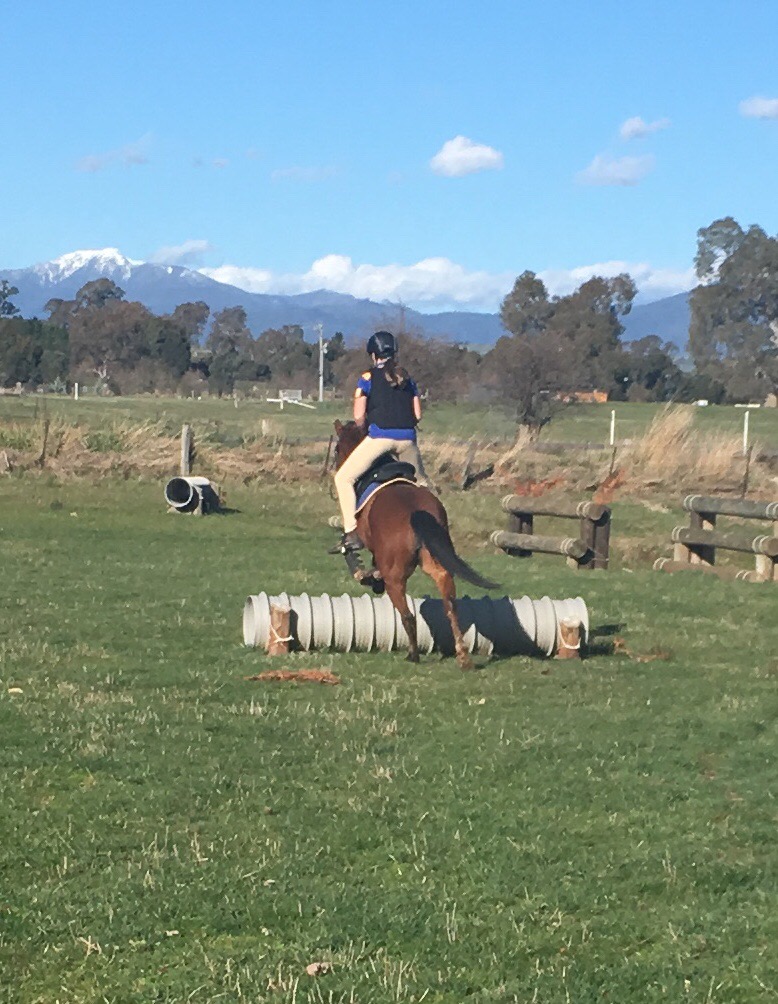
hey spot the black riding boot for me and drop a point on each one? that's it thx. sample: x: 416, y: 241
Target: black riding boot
x: 349, y: 542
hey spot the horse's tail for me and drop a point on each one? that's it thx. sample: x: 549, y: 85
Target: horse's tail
x: 435, y: 537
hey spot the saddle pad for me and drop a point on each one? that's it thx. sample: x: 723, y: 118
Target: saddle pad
x: 376, y: 486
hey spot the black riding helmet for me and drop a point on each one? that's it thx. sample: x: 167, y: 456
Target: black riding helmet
x: 382, y: 345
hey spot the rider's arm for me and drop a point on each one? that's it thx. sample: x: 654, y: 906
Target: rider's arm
x: 360, y: 398
x: 360, y: 408
x: 416, y: 401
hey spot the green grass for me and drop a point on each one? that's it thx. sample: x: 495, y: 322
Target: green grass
x: 170, y: 831
x: 221, y: 421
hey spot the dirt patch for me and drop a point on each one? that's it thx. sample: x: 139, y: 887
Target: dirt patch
x: 296, y: 676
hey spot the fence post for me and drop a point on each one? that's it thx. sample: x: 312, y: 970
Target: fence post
x: 702, y: 554
x: 602, y: 540
x: 587, y: 532
x: 520, y: 523
x: 767, y: 567
x: 187, y: 449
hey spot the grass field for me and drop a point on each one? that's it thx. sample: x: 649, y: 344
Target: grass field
x: 220, y: 419
x: 170, y: 831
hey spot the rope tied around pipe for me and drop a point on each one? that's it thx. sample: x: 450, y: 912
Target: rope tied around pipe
x: 277, y: 636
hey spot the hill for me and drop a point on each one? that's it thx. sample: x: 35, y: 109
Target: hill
x: 162, y: 288
x: 668, y: 318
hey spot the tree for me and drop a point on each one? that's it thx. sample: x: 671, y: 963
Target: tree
x: 229, y: 343
x: 714, y: 245
x: 733, y: 335
x: 518, y: 369
x: 589, y: 319
x: 108, y: 338
x: 168, y: 341
x: 192, y: 318
x: 336, y: 349
x: 647, y: 371
x: 564, y: 343
x: 527, y: 309
x: 285, y: 351
x: 31, y: 352
x: 98, y: 293
x: 7, y: 309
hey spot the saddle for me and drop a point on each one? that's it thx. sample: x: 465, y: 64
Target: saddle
x: 383, y: 470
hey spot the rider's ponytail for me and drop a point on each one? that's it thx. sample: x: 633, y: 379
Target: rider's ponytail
x: 396, y: 375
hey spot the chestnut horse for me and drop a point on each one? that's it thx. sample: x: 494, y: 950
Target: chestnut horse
x: 406, y: 526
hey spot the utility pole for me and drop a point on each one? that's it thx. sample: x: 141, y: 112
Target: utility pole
x: 322, y: 350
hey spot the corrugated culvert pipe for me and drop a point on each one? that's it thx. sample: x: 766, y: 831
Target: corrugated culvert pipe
x: 370, y: 623
x: 186, y: 493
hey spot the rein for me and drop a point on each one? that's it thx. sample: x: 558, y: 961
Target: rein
x: 326, y: 466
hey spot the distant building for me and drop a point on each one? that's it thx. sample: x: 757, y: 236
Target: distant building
x: 583, y: 397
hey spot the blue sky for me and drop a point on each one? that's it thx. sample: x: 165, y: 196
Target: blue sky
x: 426, y: 152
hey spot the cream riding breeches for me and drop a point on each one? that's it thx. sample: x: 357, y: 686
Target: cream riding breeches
x: 408, y: 450
x: 357, y: 462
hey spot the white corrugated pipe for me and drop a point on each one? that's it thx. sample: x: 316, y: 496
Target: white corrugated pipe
x: 185, y: 493
x: 370, y: 623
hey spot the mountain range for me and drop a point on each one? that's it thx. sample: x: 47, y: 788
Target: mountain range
x: 161, y: 288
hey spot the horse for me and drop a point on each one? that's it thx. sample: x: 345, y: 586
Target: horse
x: 405, y: 527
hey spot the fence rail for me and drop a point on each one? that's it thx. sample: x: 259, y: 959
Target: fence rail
x: 588, y: 551
x: 695, y: 546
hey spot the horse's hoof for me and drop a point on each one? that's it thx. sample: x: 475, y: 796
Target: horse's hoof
x: 412, y: 657
x: 465, y: 663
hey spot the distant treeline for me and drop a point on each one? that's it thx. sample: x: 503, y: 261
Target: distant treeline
x: 553, y: 345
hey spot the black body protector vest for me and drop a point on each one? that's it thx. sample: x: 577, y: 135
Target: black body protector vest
x: 389, y: 407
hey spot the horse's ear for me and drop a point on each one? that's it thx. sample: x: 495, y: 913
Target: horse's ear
x: 338, y: 426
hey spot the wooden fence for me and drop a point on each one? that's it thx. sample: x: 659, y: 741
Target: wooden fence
x: 695, y: 545
x: 588, y: 550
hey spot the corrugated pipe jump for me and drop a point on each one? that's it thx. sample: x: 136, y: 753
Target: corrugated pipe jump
x: 370, y: 623
x: 186, y: 493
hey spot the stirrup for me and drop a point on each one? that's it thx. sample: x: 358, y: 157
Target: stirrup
x: 345, y: 546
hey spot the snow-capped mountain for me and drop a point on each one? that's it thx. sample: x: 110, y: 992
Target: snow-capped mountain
x: 162, y: 288
x: 110, y: 262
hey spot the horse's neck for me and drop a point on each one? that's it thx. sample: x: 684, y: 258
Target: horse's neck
x: 356, y: 439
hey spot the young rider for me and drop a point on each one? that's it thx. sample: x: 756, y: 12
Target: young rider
x: 387, y: 402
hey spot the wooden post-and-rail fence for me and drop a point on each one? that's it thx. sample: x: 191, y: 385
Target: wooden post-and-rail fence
x: 588, y: 550
x: 694, y: 546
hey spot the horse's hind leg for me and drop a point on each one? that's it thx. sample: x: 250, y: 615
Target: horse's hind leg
x: 396, y: 592
x: 448, y: 593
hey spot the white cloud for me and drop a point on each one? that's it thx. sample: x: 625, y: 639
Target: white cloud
x: 758, y: 107
x: 636, y: 128
x: 129, y: 155
x: 605, y: 170
x: 460, y: 156
x: 189, y: 253
x: 652, y: 283
x: 430, y: 283
x: 253, y: 280
x: 439, y: 283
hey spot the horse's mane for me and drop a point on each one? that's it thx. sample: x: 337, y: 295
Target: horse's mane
x: 350, y: 430
x: 349, y: 436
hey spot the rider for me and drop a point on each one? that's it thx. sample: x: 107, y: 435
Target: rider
x: 387, y: 402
